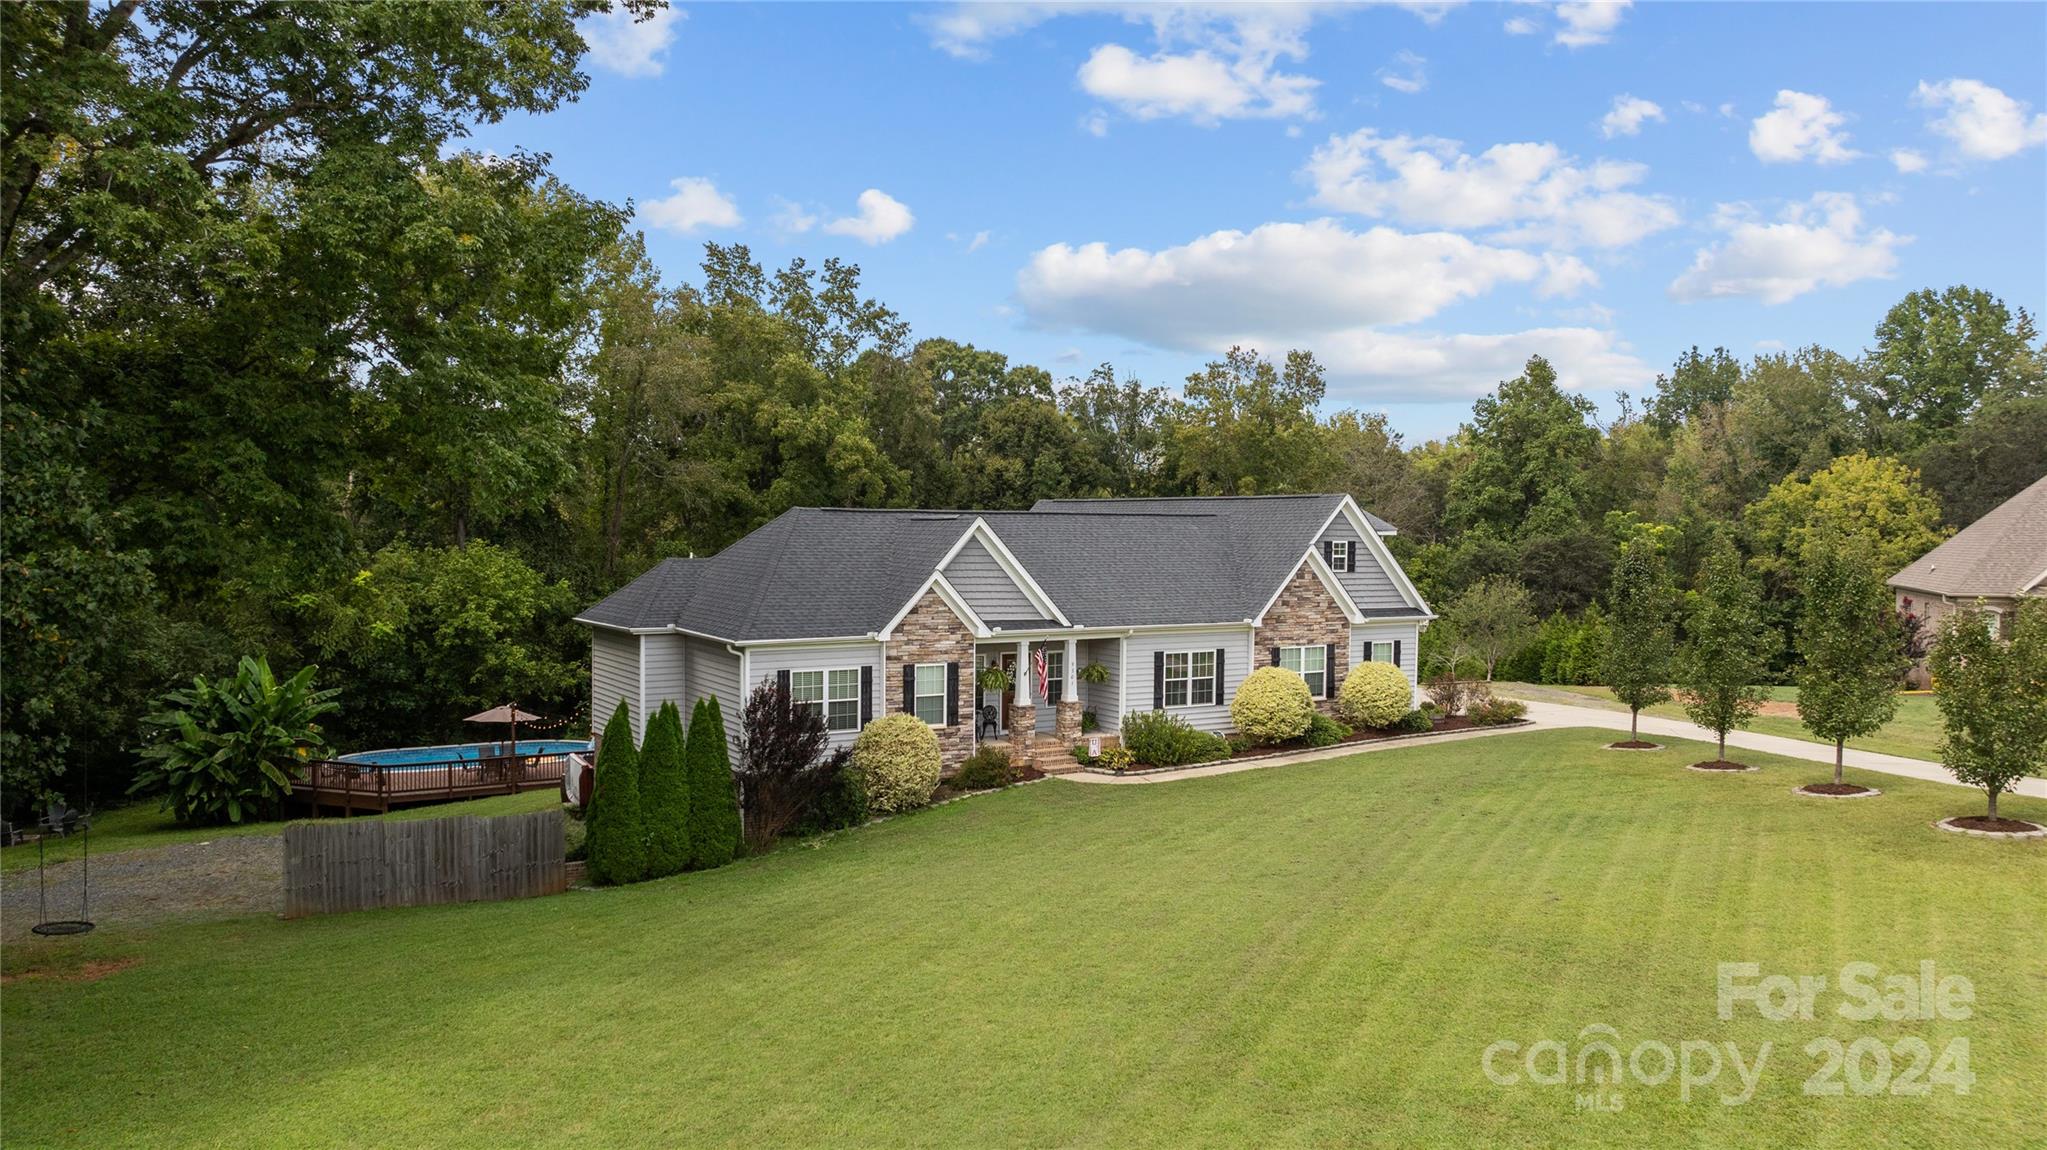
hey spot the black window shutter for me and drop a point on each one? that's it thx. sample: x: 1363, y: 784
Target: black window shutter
x: 1329, y: 552
x: 1396, y: 652
x: 1219, y: 676
x: 1275, y: 656
x: 866, y: 695
x: 1158, y: 680
x: 1329, y: 671
x: 1350, y: 557
x: 952, y: 694
x: 909, y: 688
x: 782, y: 682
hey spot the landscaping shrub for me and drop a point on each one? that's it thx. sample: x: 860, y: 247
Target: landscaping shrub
x: 713, y: 808
x: 1273, y: 705
x: 575, y: 839
x: 1448, y: 693
x: 617, y: 840
x: 664, y: 794
x: 843, y: 801
x: 1414, y: 722
x: 1324, y: 731
x: 896, y: 757
x: 1118, y: 759
x: 1374, y: 695
x: 1089, y: 722
x: 985, y: 770
x: 1158, y: 739
x: 1492, y: 711
x: 228, y: 751
x: 784, y: 767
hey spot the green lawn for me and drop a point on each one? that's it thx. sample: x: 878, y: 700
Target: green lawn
x: 139, y: 826
x: 1308, y: 955
x: 1913, y: 733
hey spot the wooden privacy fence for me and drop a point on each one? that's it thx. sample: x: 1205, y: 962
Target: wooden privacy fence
x: 360, y: 864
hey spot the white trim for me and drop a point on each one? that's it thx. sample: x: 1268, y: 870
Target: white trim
x: 825, y: 701
x: 1313, y: 557
x: 944, y: 693
x: 1213, y: 686
x: 642, y: 675
x: 1350, y: 558
x: 1327, y: 670
x: 2037, y: 580
x: 1122, y: 678
x: 951, y: 598
x: 828, y: 641
x: 1011, y: 566
x: 1348, y: 508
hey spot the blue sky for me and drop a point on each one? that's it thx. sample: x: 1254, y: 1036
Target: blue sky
x: 1423, y: 196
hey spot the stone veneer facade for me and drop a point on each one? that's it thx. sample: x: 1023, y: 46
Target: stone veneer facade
x: 1306, y: 614
x: 1066, y: 722
x: 931, y: 633
x: 1023, y: 733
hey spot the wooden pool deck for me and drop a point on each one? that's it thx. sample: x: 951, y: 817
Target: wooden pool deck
x: 336, y: 786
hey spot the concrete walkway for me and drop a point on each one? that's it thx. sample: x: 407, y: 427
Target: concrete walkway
x: 1558, y: 716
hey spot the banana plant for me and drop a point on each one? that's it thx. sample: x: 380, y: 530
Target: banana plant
x: 228, y: 751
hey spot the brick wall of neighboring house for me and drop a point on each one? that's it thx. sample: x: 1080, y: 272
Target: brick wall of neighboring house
x: 931, y: 633
x: 1306, y: 614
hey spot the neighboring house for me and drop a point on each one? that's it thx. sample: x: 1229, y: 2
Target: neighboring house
x: 859, y: 613
x: 1997, y: 560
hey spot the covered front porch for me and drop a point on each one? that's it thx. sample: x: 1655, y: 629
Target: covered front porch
x: 1079, y: 693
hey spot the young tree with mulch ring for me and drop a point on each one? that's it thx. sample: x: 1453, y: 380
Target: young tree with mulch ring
x: 713, y: 806
x: 1636, y: 666
x: 1851, y: 649
x: 1992, y: 696
x: 1725, y: 653
x: 1494, y: 619
x: 664, y: 794
x: 617, y: 842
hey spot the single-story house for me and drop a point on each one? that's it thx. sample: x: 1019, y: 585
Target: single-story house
x: 1998, y: 560
x: 860, y: 612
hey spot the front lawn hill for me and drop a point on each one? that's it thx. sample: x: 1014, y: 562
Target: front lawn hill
x: 1310, y: 956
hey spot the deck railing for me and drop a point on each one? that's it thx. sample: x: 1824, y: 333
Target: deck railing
x: 370, y: 786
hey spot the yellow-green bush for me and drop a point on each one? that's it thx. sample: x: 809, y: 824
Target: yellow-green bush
x: 896, y: 759
x: 1374, y: 695
x: 1273, y: 705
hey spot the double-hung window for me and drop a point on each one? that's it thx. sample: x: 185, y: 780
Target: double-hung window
x: 929, y: 703
x: 1311, y: 664
x: 833, y: 695
x: 1339, y: 555
x: 1379, y: 652
x: 1055, y: 675
x: 1190, y: 679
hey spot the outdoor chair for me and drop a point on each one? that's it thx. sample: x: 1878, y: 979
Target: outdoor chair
x: 988, y: 723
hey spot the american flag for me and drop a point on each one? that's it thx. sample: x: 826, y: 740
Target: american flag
x: 1038, y: 666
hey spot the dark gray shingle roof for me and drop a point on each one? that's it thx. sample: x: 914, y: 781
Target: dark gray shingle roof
x: 827, y: 572
x: 1999, y: 555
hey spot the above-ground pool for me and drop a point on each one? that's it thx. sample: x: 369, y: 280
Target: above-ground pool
x: 402, y: 757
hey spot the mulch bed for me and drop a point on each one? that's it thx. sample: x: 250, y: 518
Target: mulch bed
x: 1722, y: 765
x: 1443, y: 726
x: 1634, y: 745
x: 1018, y: 774
x: 2000, y: 826
x: 1835, y: 789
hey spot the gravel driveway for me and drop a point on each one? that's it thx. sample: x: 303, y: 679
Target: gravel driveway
x: 219, y: 879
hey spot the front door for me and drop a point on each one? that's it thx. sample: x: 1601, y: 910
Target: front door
x: 996, y: 699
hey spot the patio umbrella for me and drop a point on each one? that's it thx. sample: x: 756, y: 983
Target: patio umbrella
x: 505, y: 714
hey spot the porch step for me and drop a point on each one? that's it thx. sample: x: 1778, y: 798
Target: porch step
x: 1053, y: 757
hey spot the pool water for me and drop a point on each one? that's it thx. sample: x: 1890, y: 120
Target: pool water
x: 467, y: 752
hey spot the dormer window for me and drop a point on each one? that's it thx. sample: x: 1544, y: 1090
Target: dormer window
x: 1339, y: 555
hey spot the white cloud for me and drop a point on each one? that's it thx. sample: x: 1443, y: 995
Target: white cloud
x: 1908, y: 161
x: 1407, y: 73
x: 1803, y: 127
x: 618, y: 43
x: 1201, y: 85
x: 1590, y: 22
x: 1322, y: 286
x: 979, y: 241
x: 1983, y: 122
x: 1821, y: 243
x: 1519, y: 26
x: 697, y: 203
x: 1628, y: 115
x: 881, y: 218
x: 1535, y: 190
x: 1095, y: 123
x: 791, y: 218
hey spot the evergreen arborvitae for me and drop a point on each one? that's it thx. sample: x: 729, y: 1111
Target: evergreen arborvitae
x: 664, y: 794
x: 617, y: 842
x: 713, y: 806
x: 1726, y: 651
x: 1852, y: 647
x: 1639, y: 632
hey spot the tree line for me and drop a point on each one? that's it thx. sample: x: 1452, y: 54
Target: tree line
x: 290, y: 372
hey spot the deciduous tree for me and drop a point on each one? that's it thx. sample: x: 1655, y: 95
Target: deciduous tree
x: 1851, y: 649
x: 1992, y: 695
x: 1640, y: 631
x: 1726, y: 650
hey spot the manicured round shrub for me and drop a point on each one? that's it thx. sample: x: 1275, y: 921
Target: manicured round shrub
x: 896, y: 758
x: 1273, y: 705
x: 1374, y: 695
x: 985, y: 770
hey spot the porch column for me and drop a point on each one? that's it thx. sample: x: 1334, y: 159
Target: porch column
x: 1069, y: 674
x: 1066, y: 717
x: 1023, y: 717
x: 1023, y: 673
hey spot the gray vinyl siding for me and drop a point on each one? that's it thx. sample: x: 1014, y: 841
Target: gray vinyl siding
x: 1370, y: 586
x: 764, y: 663
x: 1236, y: 646
x: 1101, y: 697
x: 1408, y: 634
x: 614, y: 675
x: 711, y: 671
x: 661, y: 662
x: 986, y: 587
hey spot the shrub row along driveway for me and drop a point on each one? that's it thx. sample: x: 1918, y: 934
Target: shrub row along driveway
x: 183, y: 883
